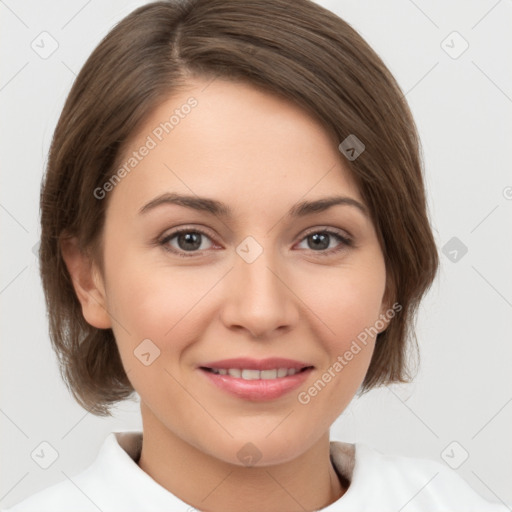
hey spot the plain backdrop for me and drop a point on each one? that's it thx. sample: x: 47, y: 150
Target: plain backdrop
x: 459, y: 409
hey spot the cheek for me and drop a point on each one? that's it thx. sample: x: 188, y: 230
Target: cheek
x: 344, y: 308
x: 155, y: 302
x: 346, y: 301
x: 347, y: 315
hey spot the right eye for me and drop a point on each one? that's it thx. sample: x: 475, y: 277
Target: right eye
x: 187, y: 240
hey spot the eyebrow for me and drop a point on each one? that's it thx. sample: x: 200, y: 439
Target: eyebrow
x: 220, y: 209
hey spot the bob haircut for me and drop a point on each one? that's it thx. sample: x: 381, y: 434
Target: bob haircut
x: 304, y: 53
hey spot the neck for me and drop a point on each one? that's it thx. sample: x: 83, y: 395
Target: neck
x: 309, y: 482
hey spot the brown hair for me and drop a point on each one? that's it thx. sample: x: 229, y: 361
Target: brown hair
x: 304, y: 52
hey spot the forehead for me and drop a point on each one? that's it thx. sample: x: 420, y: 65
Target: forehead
x: 233, y: 141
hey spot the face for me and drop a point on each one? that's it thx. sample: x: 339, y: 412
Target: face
x: 234, y: 323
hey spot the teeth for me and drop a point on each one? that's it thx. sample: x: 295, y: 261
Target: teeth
x: 268, y: 374
x: 282, y: 372
x: 249, y: 374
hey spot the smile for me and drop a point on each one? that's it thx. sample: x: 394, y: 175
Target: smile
x: 256, y: 380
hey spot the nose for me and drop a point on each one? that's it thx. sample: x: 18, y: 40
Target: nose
x: 259, y: 299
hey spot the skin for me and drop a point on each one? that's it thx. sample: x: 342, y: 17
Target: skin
x: 260, y: 154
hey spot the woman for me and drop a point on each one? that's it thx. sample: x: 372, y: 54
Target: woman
x: 234, y: 227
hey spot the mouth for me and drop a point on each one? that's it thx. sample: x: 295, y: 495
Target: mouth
x: 257, y: 380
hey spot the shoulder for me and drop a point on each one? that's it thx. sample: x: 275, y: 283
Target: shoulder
x: 113, y: 482
x: 410, y: 483
x: 79, y: 492
x: 56, y: 498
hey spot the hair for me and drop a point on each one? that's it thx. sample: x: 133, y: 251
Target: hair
x: 306, y: 54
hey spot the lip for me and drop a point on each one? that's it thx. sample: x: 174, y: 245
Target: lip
x: 258, y: 390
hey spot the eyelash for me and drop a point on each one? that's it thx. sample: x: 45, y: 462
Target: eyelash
x: 345, y: 241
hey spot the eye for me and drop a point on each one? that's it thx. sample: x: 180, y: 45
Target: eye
x: 188, y: 240
x: 320, y: 240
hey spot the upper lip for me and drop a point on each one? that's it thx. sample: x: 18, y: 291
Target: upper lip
x: 256, y: 364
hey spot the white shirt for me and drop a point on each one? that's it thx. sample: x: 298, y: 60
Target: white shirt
x: 378, y: 483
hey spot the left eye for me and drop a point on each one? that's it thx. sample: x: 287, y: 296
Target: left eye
x: 319, y: 241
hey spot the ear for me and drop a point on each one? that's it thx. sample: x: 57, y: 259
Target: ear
x: 87, y: 282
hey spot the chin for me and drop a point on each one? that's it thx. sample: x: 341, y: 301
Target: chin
x: 258, y: 450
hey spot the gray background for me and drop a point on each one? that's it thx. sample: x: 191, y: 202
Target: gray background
x: 461, y: 402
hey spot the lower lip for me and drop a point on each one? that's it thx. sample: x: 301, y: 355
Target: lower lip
x: 258, y: 389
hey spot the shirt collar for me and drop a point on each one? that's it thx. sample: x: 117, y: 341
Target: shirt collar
x: 126, y: 482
